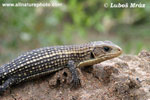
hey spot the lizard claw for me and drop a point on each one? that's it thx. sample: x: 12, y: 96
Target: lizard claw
x: 1, y: 90
x: 75, y: 82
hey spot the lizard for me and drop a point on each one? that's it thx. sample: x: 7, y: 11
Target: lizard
x: 46, y: 60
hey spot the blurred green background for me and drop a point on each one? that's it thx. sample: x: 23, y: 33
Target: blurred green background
x: 77, y: 21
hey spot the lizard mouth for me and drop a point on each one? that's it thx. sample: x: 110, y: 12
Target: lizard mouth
x: 96, y: 60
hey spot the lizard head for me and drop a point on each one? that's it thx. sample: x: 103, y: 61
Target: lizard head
x: 101, y: 51
x: 105, y: 50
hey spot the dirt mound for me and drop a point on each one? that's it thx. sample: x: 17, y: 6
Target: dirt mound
x: 123, y: 78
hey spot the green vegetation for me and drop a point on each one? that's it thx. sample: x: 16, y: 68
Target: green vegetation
x: 23, y: 29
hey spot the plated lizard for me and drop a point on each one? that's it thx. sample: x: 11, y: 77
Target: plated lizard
x: 46, y: 60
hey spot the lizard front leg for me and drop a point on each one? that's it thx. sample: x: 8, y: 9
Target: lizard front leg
x: 75, y: 78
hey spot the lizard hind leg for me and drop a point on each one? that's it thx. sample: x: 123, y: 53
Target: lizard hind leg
x: 6, y: 85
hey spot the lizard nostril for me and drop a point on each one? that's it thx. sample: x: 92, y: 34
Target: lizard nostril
x: 120, y: 50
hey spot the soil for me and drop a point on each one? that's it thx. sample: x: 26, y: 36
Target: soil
x: 124, y: 78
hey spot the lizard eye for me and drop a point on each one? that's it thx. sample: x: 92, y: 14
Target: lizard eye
x: 106, y: 49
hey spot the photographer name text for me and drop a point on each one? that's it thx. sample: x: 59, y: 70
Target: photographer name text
x: 127, y: 5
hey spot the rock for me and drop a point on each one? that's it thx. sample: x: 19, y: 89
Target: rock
x: 123, y: 78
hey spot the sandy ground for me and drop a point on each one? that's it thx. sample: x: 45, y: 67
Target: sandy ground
x: 124, y: 78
